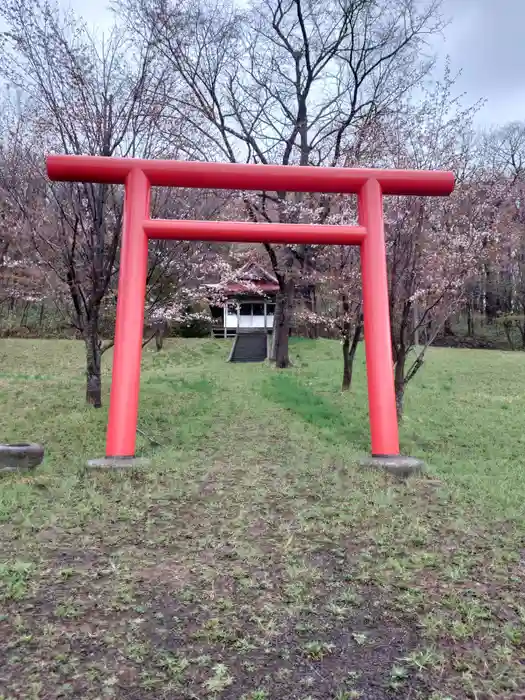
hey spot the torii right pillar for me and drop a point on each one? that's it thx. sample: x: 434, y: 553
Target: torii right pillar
x: 379, y: 368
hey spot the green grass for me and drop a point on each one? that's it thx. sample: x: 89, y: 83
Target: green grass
x: 254, y: 560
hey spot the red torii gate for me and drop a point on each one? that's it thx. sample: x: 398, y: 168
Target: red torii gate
x: 138, y: 176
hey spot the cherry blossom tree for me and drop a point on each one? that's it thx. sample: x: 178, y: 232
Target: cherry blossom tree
x: 433, y: 245
x: 21, y: 280
x: 502, y: 275
x: 335, y: 274
x: 82, y: 94
x: 182, y: 295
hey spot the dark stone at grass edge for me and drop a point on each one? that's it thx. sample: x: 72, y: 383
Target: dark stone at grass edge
x: 21, y: 456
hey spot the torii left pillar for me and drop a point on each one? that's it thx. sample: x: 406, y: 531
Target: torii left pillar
x: 129, y: 329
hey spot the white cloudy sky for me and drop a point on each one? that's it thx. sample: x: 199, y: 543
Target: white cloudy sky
x: 485, y: 40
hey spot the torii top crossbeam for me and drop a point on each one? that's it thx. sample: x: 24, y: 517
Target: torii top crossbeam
x: 241, y: 176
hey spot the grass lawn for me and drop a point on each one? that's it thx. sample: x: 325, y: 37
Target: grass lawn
x: 253, y: 560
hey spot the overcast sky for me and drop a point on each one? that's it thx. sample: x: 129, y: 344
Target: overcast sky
x: 485, y: 40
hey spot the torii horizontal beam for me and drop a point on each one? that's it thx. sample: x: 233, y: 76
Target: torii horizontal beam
x: 242, y: 176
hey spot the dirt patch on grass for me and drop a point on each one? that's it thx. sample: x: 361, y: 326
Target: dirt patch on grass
x: 167, y: 572
x: 171, y: 635
x: 328, y: 604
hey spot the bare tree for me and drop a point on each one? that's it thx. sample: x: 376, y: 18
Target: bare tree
x: 504, y: 149
x: 289, y: 82
x: 84, y: 95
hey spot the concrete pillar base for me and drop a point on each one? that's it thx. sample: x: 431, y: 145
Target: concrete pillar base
x: 118, y: 463
x: 397, y: 465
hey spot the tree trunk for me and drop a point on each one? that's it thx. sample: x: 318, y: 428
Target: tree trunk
x: 415, y: 312
x: 159, y: 339
x: 507, y: 327
x: 399, y: 384
x: 313, y: 297
x: 347, y: 367
x: 470, y: 321
x: 491, y: 296
x: 447, y: 328
x: 281, y: 331
x: 23, y: 320
x: 349, y: 351
x: 160, y: 333
x: 93, y: 360
x: 428, y: 331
